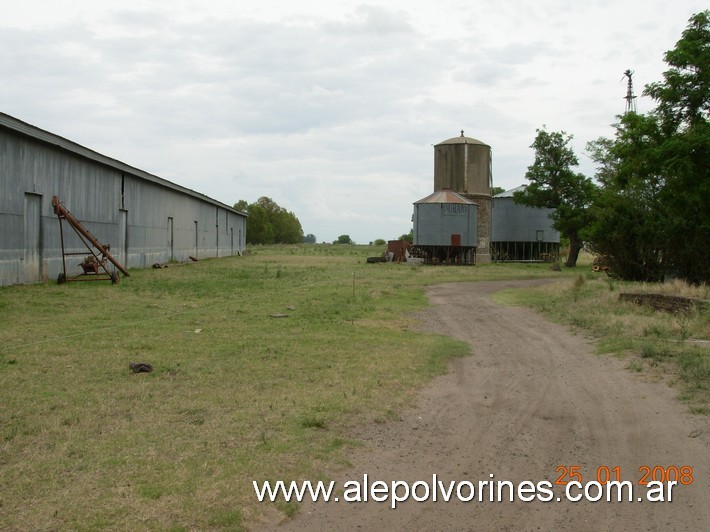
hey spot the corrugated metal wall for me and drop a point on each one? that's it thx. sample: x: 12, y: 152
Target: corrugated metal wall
x: 436, y: 223
x: 518, y: 223
x: 145, y: 222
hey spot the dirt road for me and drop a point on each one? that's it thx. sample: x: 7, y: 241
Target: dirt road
x: 533, y: 396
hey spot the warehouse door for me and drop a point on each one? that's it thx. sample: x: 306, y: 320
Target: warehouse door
x: 171, y: 239
x: 455, y: 240
x: 123, y: 237
x: 33, y: 239
x: 216, y: 230
x: 197, y: 241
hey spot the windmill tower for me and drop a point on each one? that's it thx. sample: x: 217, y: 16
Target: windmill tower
x: 630, y: 98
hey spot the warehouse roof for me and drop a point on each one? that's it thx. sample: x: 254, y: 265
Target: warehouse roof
x: 509, y: 193
x: 23, y: 128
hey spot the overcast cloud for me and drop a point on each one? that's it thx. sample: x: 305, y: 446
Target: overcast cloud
x: 329, y: 108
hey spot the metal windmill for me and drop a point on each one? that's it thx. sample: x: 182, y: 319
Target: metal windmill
x: 630, y: 98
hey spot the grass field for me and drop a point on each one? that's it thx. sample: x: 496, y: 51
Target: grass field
x: 236, y: 395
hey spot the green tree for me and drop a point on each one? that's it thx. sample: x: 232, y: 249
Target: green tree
x: 497, y: 190
x: 653, y: 214
x: 268, y: 223
x: 683, y: 115
x: 409, y: 237
x: 554, y: 185
x: 380, y: 242
x: 343, y: 239
x: 683, y: 99
x: 310, y: 238
x: 627, y: 226
x: 287, y: 228
x: 241, y: 206
x: 260, y: 230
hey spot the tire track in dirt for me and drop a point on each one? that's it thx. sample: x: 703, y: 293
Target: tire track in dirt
x: 531, y: 397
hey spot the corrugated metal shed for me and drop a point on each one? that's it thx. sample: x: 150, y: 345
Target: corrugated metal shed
x: 520, y: 232
x: 445, y: 218
x: 513, y: 222
x: 145, y: 218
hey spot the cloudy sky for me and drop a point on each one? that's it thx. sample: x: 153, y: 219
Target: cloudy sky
x: 329, y: 107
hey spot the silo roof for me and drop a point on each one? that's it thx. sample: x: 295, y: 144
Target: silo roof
x: 445, y: 196
x: 463, y: 140
x: 509, y: 193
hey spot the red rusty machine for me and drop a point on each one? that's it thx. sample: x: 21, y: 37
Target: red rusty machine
x: 94, y: 265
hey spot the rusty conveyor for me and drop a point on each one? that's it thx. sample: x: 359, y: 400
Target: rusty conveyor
x: 97, y: 250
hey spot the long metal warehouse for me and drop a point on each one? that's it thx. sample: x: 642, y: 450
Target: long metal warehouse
x: 145, y: 218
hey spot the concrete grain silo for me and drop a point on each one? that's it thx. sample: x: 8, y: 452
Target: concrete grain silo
x: 445, y: 228
x: 521, y: 233
x: 464, y: 165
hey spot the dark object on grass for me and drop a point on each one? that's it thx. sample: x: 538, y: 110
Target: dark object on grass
x: 375, y: 260
x: 140, y: 367
x: 556, y: 267
x: 279, y: 315
x: 193, y: 259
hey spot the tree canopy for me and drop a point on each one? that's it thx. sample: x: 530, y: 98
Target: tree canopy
x: 270, y: 224
x: 653, y: 213
x: 409, y: 237
x: 555, y: 185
